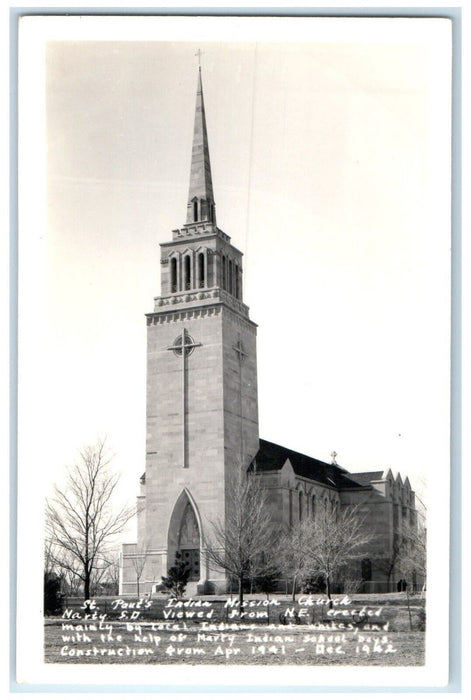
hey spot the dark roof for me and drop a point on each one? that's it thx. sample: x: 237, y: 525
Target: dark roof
x: 272, y: 457
x: 365, y: 477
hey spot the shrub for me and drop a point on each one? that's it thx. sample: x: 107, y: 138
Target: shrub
x: 52, y: 594
x: 314, y: 584
x: 177, y: 577
x: 267, y: 584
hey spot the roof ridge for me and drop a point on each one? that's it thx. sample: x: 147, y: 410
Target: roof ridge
x: 303, y: 454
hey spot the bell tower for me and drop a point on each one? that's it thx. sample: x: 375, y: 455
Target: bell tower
x: 202, y: 412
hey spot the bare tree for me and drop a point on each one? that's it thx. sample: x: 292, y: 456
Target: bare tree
x: 113, y: 571
x: 413, y: 551
x: 100, y: 573
x: 62, y: 564
x: 389, y: 559
x: 138, y: 560
x: 333, y: 540
x: 49, y: 557
x: 72, y: 583
x: 80, y: 518
x: 241, y: 545
x: 407, y: 556
x: 292, y: 555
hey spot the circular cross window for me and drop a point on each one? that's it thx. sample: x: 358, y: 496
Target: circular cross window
x: 182, y: 343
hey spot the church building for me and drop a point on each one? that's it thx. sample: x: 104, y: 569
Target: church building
x: 202, y: 415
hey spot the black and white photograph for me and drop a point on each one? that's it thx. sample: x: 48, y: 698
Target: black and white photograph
x: 234, y: 343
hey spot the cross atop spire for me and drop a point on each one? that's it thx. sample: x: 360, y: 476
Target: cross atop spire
x: 201, y: 205
x: 199, y: 53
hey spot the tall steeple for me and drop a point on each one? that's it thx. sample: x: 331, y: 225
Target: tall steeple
x: 202, y: 415
x: 201, y: 205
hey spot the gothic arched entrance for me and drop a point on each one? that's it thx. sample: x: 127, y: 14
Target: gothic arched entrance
x: 184, y: 536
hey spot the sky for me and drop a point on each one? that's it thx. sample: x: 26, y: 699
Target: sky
x: 330, y: 164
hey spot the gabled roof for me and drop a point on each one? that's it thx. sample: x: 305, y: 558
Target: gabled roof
x: 272, y: 457
x: 364, y: 478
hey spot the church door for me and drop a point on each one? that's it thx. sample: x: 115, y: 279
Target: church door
x: 189, y: 542
x: 191, y: 557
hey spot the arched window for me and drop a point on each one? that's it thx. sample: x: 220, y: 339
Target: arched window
x: 223, y: 271
x: 237, y: 281
x: 290, y: 508
x: 313, y: 506
x: 173, y: 275
x: 187, y: 272
x: 230, y: 277
x: 195, y: 210
x: 300, y: 497
x: 201, y: 282
x: 212, y: 213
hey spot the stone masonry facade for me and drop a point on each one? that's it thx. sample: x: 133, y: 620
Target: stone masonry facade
x: 202, y: 417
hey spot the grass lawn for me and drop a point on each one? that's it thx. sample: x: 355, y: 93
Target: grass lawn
x: 221, y: 640
x: 300, y: 644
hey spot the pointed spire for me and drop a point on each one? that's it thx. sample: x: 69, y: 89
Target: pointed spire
x: 201, y: 205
